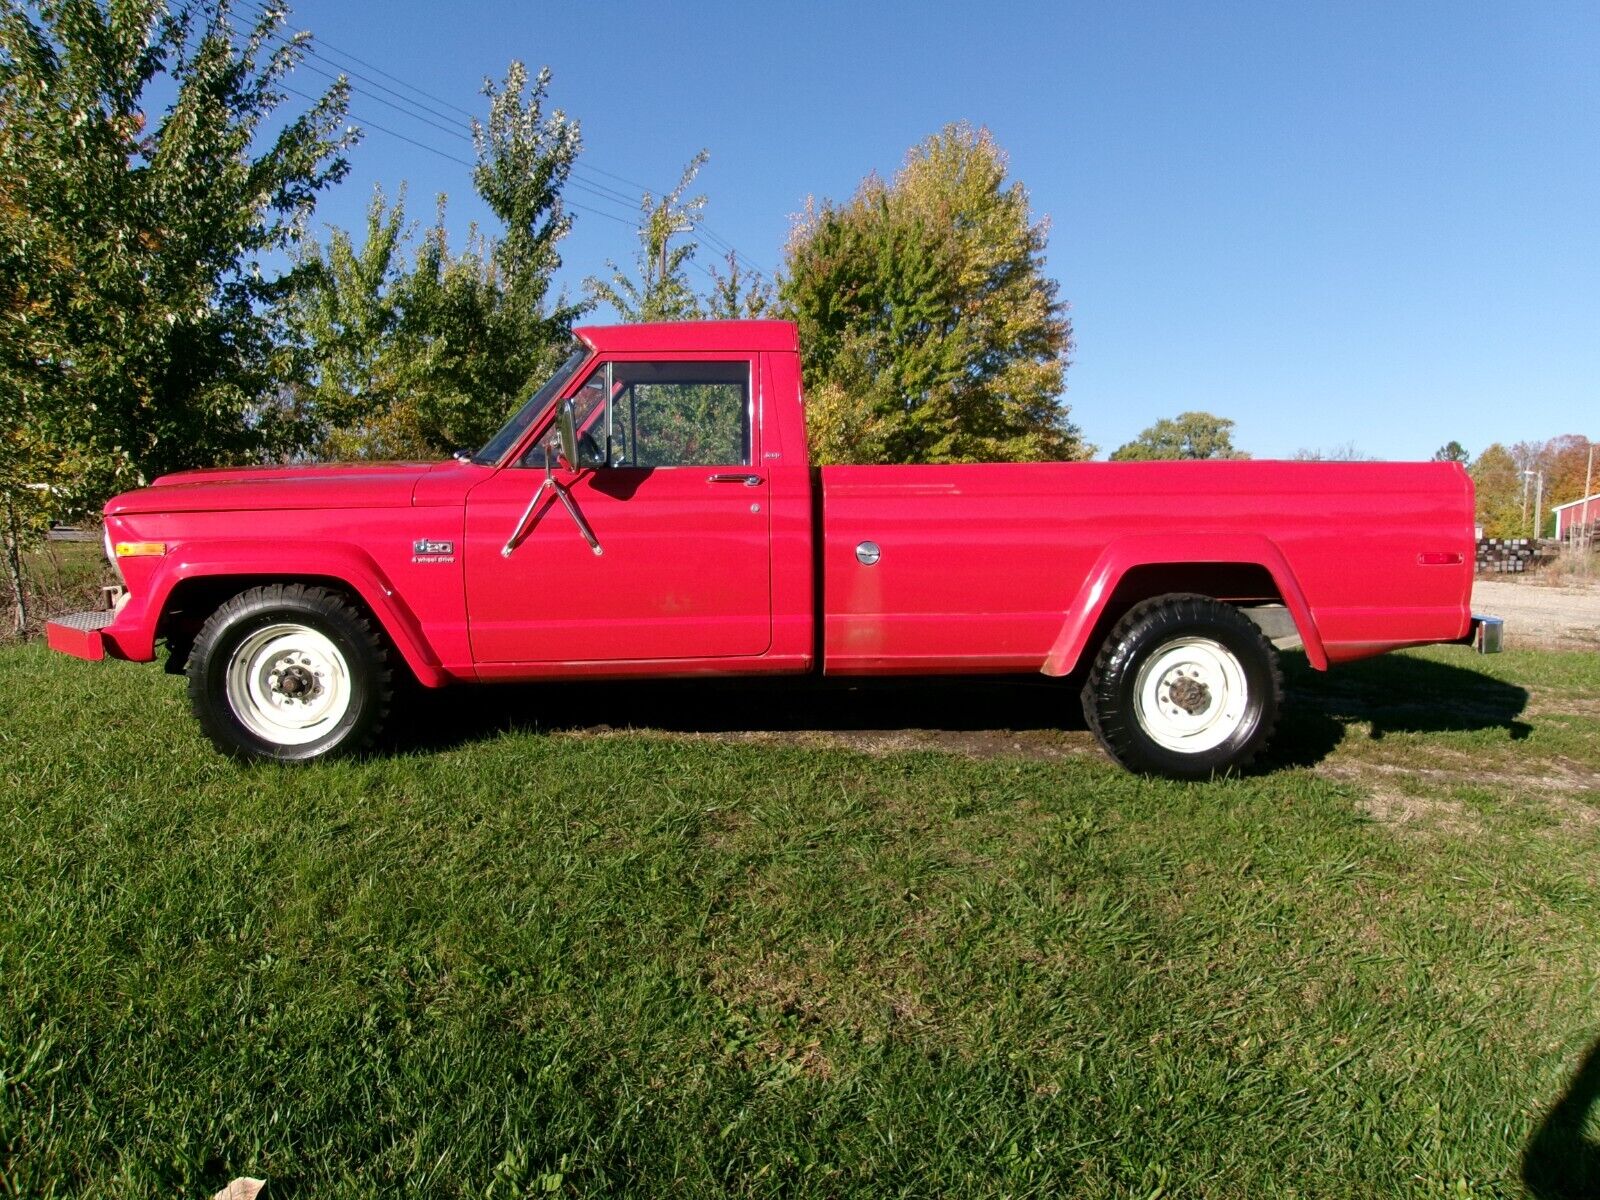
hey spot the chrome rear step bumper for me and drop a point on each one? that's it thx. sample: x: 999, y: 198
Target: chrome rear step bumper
x: 1485, y: 634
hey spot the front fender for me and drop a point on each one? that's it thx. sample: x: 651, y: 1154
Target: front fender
x: 345, y: 565
x: 1160, y: 549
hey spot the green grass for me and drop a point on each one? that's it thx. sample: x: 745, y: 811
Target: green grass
x: 540, y: 960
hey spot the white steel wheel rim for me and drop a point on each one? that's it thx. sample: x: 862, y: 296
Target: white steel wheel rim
x: 288, y: 684
x: 1191, y: 696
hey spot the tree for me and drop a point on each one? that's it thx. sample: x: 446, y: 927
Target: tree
x: 740, y: 294
x: 1566, y: 465
x: 662, y: 291
x: 1498, y: 484
x: 1452, y: 451
x: 137, y: 320
x: 415, y: 359
x: 931, y: 331
x: 346, y: 324
x: 1344, y: 452
x: 1188, y: 435
x: 524, y: 161
x: 1562, y: 463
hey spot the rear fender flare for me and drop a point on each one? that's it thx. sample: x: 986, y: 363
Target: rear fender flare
x: 1143, y: 550
x: 340, y: 565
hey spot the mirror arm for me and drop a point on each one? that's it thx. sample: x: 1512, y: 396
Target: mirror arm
x: 583, y: 526
x: 526, y: 519
x: 521, y: 529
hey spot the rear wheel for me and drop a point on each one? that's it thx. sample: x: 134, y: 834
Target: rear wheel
x: 1184, y: 686
x: 289, y: 673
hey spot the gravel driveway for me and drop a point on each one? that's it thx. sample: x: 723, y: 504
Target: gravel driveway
x: 1542, y: 614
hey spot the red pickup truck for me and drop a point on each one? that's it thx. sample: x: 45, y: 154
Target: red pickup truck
x: 651, y: 511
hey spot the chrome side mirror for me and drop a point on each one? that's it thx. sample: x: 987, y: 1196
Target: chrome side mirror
x: 567, y: 434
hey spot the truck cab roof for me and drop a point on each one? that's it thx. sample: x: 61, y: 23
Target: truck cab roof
x: 692, y: 336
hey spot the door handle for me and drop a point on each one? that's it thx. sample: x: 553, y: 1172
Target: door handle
x: 747, y: 480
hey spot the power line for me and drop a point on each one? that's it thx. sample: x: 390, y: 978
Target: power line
x: 404, y: 105
x: 633, y: 183
x: 451, y: 130
x: 444, y: 154
x: 715, y: 238
x: 314, y: 47
x: 610, y: 193
x: 578, y: 183
x: 403, y: 82
x: 600, y: 193
x: 384, y: 129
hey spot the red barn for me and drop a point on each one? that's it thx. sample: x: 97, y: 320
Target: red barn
x: 1576, y: 513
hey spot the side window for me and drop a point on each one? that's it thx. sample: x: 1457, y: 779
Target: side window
x: 681, y: 414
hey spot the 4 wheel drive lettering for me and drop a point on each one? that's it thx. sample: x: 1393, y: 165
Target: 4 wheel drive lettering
x: 1070, y: 569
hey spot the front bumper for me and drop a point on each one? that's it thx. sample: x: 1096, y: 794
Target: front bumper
x: 1485, y: 634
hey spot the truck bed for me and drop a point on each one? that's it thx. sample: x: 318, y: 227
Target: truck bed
x: 1006, y: 567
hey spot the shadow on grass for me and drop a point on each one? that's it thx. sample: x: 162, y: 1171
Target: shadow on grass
x: 1392, y: 694
x: 1559, y: 1162
x: 459, y: 715
x: 1395, y: 694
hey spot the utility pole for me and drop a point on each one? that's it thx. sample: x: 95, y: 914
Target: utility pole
x: 1588, y: 518
x: 684, y: 227
x: 1538, y: 505
x: 1588, y: 486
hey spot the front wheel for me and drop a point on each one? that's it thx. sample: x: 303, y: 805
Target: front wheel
x: 1184, y: 686
x: 289, y: 673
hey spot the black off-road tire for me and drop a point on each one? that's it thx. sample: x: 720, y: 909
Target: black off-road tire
x: 239, y: 720
x: 1174, y: 625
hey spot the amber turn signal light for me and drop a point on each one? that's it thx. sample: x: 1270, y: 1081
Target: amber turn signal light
x: 140, y: 549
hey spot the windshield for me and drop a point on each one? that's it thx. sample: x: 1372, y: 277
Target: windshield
x: 500, y: 444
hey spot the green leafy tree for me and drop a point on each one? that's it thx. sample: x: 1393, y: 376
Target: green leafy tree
x: 525, y: 158
x: 347, y: 322
x: 662, y: 291
x: 44, y: 434
x: 137, y: 322
x: 738, y: 295
x: 1452, y: 451
x: 1188, y: 435
x: 932, y: 333
x: 417, y: 358
x: 1497, y: 481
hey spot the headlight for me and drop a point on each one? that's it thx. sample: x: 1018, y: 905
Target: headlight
x: 111, y: 556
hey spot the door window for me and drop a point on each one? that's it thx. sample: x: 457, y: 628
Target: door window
x: 681, y: 414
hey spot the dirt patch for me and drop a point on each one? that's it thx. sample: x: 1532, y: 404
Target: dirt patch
x: 1571, y: 794
x: 1564, y: 617
x: 782, y: 1006
x: 1034, y: 745
x: 1393, y: 806
x: 1398, y: 808
x: 1553, y: 703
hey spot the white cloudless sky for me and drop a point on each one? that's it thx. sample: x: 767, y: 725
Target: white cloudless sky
x: 1368, y: 223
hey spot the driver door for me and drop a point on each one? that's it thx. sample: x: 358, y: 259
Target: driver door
x: 665, y: 480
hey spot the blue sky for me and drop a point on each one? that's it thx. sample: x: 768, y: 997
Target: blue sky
x: 1375, y: 223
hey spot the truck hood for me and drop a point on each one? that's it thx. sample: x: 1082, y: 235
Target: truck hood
x: 227, y: 489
